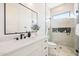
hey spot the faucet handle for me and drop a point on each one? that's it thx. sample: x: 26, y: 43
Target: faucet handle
x: 21, y: 36
x: 16, y: 38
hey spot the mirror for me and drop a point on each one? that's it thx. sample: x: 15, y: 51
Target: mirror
x: 18, y: 18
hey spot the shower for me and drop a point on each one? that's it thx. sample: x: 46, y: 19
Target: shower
x: 61, y: 29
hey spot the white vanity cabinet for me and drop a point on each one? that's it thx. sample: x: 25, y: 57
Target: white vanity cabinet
x: 45, y: 47
x: 41, y: 51
x: 37, y: 48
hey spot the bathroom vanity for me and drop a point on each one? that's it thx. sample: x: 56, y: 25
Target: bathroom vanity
x: 18, y: 19
x: 26, y: 47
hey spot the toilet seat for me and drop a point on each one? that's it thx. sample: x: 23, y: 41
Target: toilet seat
x: 51, y: 43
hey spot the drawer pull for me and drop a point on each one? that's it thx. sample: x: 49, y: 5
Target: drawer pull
x: 45, y: 47
x: 45, y: 41
x: 46, y: 55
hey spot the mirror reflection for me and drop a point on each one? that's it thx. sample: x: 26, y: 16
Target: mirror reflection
x: 19, y: 18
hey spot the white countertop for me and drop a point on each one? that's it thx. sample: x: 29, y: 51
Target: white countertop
x: 12, y: 45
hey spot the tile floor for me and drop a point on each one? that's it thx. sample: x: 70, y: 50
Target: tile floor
x: 61, y: 50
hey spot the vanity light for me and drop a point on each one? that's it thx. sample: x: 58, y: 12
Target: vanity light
x: 77, y: 29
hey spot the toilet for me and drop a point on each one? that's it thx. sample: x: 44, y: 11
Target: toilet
x: 51, y: 44
x: 52, y: 48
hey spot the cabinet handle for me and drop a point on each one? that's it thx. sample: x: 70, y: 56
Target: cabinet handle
x: 46, y: 55
x: 45, y: 47
x: 45, y: 41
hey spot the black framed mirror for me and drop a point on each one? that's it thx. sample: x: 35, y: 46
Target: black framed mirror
x: 18, y: 18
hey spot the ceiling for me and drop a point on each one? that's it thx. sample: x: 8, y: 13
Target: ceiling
x: 52, y: 5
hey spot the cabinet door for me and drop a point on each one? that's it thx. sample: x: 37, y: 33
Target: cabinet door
x: 45, y: 47
x: 37, y: 52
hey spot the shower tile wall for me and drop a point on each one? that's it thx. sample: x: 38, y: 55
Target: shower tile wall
x: 64, y: 38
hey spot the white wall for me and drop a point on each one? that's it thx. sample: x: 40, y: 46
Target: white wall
x: 1, y: 19
x: 65, y: 22
x: 62, y: 8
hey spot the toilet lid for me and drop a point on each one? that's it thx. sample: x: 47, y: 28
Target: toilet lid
x: 51, y: 43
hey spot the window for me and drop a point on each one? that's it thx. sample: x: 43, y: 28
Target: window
x: 63, y: 15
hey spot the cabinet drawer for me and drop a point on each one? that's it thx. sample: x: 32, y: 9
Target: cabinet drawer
x: 37, y: 52
x: 45, y: 47
x: 45, y: 54
x: 45, y: 40
x: 45, y: 51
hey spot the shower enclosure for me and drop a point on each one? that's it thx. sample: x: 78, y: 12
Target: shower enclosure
x: 61, y: 26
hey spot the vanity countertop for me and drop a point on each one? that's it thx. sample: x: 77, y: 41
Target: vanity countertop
x: 12, y: 45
